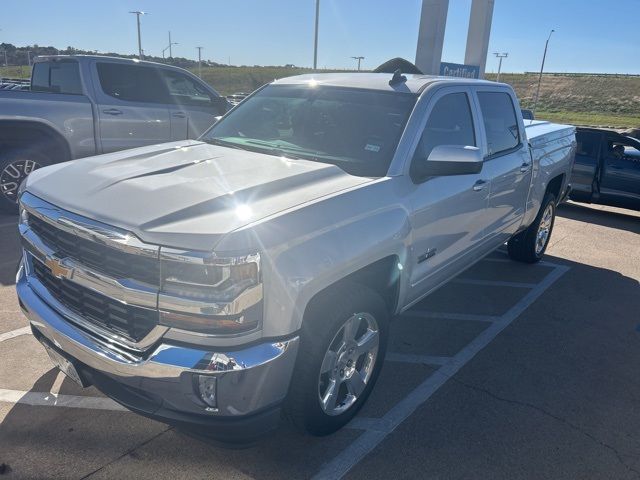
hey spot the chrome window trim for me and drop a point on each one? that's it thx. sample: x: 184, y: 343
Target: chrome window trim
x: 86, y: 228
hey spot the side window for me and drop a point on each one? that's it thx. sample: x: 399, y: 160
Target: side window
x: 184, y: 90
x: 500, y: 122
x: 57, y: 77
x: 132, y: 83
x: 587, y: 144
x: 450, y: 123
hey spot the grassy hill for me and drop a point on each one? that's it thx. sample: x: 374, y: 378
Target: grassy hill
x: 605, y: 100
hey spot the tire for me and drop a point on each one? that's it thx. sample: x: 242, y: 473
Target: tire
x: 354, y: 370
x: 14, y: 167
x: 529, y: 246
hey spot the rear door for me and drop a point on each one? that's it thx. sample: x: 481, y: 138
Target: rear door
x: 132, y: 106
x: 193, y: 107
x: 507, y: 163
x: 585, y: 168
x: 448, y: 212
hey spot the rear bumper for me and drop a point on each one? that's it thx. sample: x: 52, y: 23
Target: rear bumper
x: 251, y: 381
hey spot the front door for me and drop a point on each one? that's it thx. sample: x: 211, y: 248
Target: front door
x: 508, y: 164
x: 193, y: 108
x: 448, y: 212
x: 132, y: 106
x: 621, y: 168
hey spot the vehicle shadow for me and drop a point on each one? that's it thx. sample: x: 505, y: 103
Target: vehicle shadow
x: 607, y: 218
x: 593, y: 314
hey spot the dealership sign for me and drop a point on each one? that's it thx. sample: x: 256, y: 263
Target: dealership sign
x: 459, y: 70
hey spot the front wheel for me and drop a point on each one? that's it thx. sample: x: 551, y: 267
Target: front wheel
x: 529, y: 246
x: 342, y: 349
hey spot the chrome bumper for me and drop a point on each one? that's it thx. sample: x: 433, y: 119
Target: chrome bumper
x: 248, y: 380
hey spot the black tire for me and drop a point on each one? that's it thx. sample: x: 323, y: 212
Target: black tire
x: 525, y: 246
x: 15, y: 165
x: 321, y: 325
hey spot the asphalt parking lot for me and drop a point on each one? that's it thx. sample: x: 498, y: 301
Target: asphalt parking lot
x: 509, y: 371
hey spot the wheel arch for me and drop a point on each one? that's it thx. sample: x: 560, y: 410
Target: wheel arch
x: 23, y: 134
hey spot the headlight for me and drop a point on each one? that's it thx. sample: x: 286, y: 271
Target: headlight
x: 203, y: 293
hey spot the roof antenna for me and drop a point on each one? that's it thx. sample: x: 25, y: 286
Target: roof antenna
x: 397, y: 78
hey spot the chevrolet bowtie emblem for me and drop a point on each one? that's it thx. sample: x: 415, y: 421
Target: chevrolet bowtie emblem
x: 57, y: 269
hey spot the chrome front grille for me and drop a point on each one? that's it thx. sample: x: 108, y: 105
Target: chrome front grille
x: 101, y: 278
x: 129, y: 321
x: 107, y: 260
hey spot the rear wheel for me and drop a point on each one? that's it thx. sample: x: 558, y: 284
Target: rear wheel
x: 529, y: 246
x: 14, y: 168
x: 342, y: 349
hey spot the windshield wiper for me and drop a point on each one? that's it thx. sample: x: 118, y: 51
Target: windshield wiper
x: 223, y: 143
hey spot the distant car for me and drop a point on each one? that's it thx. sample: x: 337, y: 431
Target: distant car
x: 81, y: 105
x: 236, y: 98
x: 607, y: 169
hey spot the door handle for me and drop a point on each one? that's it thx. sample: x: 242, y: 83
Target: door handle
x: 179, y: 115
x: 525, y: 167
x: 479, y: 185
x: 112, y: 111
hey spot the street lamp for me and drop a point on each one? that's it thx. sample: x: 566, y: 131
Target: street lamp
x: 29, y: 57
x: 137, y: 14
x: 315, y: 43
x: 200, y: 61
x: 359, y: 59
x: 544, y: 56
x: 500, y: 56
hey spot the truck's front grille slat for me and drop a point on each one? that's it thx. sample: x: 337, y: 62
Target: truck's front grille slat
x: 127, y: 320
x: 114, y: 263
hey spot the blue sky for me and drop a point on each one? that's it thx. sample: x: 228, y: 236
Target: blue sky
x: 591, y: 35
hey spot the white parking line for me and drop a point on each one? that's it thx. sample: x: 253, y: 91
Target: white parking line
x: 378, y: 431
x: 13, y: 223
x: 46, y: 399
x: 451, y: 316
x: 15, y: 333
x: 493, y: 283
x: 416, y: 358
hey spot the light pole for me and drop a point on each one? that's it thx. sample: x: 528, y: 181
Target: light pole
x: 315, y: 43
x: 200, y: 61
x: 29, y: 57
x: 5, y: 58
x: 544, y: 56
x: 359, y: 59
x: 171, y: 44
x: 500, y: 56
x: 137, y: 14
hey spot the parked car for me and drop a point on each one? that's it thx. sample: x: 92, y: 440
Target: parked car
x: 236, y: 98
x: 211, y: 284
x: 85, y: 105
x: 607, y: 169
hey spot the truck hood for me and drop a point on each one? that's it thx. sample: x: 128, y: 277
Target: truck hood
x: 185, y: 194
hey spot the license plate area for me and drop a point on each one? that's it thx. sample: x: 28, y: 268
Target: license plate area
x: 65, y: 365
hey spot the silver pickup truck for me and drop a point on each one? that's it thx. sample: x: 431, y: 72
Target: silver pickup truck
x: 80, y: 105
x: 215, y: 284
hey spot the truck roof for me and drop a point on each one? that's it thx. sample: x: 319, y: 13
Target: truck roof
x: 80, y: 58
x: 376, y: 81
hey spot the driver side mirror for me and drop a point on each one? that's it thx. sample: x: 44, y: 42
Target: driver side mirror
x: 449, y: 160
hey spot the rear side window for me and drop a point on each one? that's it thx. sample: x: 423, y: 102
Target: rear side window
x: 450, y: 123
x: 132, y: 83
x: 500, y: 121
x: 56, y: 77
x: 587, y: 144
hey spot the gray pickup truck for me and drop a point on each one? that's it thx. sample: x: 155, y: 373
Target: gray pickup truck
x: 85, y: 105
x: 212, y: 284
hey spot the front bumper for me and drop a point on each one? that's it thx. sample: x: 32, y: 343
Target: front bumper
x: 251, y: 382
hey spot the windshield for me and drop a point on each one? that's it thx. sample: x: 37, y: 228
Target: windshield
x: 357, y: 130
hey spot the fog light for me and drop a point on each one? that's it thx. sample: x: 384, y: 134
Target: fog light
x: 208, y: 390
